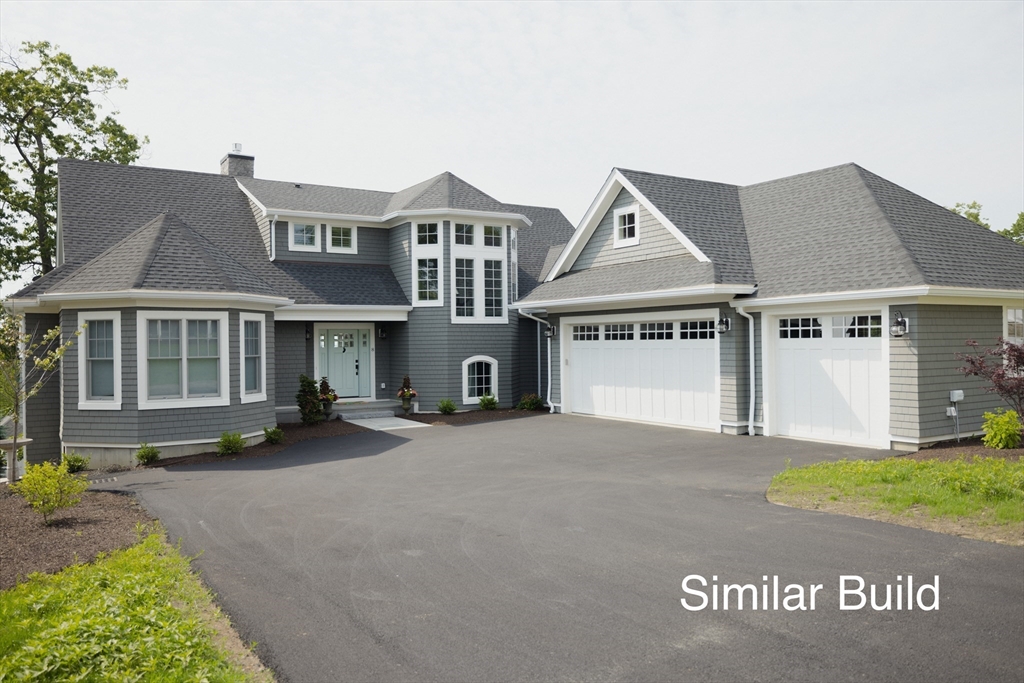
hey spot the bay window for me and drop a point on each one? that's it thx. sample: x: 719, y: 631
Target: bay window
x: 252, y: 334
x: 183, y: 359
x: 99, y: 360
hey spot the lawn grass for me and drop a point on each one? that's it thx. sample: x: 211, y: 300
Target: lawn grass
x: 136, y: 614
x: 976, y: 491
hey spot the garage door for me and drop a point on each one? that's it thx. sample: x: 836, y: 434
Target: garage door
x: 660, y: 371
x: 831, y: 380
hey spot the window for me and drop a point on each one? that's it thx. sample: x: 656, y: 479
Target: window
x: 479, y: 377
x: 464, y: 287
x: 618, y: 332
x: 856, y: 326
x: 99, y: 361
x: 625, y: 226
x: 493, y: 296
x: 186, y: 359
x: 492, y: 236
x: 656, y: 330
x: 698, y: 329
x: 1015, y: 325
x: 800, y: 328
x: 253, y: 339
x: 305, y: 237
x: 342, y: 239
x: 426, y: 233
x: 426, y: 279
x: 464, y: 234
x: 586, y: 333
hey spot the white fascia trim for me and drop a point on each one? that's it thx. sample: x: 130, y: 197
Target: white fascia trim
x: 319, y: 215
x: 158, y: 444
x: 85, y: 403
x: 224, y: 360
x: 890, y: 293
x: 187, y: 297
x: 684, y: 314
x: 261, y: 395
x: 598, y: 208
x: 312, y: 312
x: 457, y: 212
x: 640, y: 297
x: 252, y: 197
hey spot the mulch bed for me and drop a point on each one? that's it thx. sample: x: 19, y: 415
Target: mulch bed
x: 102, y: 522
x: 951, y: 450
x: 472, y: 416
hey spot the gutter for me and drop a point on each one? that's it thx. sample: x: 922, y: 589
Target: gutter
x: 551, y: 406
x: 753, y: 376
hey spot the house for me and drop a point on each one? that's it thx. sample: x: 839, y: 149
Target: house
x: 826, y: 306
x: 205, y: 296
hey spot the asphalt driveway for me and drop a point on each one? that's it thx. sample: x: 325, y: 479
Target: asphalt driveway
x: 553, y: 548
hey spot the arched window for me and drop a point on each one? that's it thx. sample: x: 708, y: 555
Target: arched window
x: 479, y: 377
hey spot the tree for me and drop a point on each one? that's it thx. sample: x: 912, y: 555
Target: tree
x: 48, y: 111
x: 971, y: 212
x: 1002, y: 366
x: 32, y: 358
x: 1016, y: 231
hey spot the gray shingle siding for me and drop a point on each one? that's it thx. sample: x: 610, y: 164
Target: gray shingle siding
x: 371, y: 243
x: 400, y: 256
x: 655, y: 240
x: 41, y: 421
x: 263, y: 223
x: 294, y: 357
x: 923, y: 369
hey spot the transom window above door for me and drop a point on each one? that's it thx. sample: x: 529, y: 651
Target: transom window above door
x: 625, y: 226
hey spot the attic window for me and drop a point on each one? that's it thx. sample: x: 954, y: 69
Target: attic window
x: 342, y: 239
x: 625, y: 226
x: 304, y: 237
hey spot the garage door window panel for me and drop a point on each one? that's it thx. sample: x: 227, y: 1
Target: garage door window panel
x: 586, y: 333
x: 852, y: 326
x: 653, y: 331
x: 618, y: 332
x: 800, y: 328
x: 697, y: 329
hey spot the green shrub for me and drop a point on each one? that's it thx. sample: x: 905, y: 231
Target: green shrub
x: 446, y: 406
x: 530, y: 402
x: 1002, y: 429
x: 75, y: 462
x: 488, y: 402
x: 48, y: 488
x: 308, y: 398
x: 273, y: 434
x: 230, y: 443
x: 147, y: 454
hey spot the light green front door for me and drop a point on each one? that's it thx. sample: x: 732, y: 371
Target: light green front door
x: 345, y: 360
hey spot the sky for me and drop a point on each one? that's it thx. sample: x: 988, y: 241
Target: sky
x: 535, y: 103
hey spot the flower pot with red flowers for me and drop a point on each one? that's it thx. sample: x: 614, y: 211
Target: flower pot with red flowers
x: 327, y: 397
x: 406, y: 393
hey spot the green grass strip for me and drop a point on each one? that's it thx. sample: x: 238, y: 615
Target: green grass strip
x: 132, y: 615
x: 991, y: 489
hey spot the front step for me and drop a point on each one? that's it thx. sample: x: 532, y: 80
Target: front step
x: 364, y: 414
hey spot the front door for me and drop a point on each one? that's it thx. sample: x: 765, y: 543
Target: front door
x: 344, y: 359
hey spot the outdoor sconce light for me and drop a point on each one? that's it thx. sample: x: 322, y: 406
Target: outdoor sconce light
x: 550, y: 331
x: 382, y: 333
x: 724, y: 325
x: 899, y: 325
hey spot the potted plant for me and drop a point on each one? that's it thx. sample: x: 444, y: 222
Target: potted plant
x: 406, y: 393
x: 327, y: 396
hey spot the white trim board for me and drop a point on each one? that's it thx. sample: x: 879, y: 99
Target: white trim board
x: 312, y: 312
x: 640, y: 297
x: 158, y: 444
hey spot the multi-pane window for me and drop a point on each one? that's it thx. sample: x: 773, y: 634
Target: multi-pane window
x: 856, y: 326
x: 493, y: 295
x: 100, y: 360
x: 203, y: 358
x: 426, y: 279
x: 164, y: 358
x: 464, y: 234
x: 620, y: 332
x: 656, y: 330
x: 626, y: 226
x: 464, y: 287
x: 800, y: 328
x: 586, y: 332
x: 341, y: 237
x: 426, y: 233
x: 698, y: 329
x: 1015, y: 325
x: 253, y: 355
x: 492, y: 236
x: 478, y: 379
x: 304, y: 234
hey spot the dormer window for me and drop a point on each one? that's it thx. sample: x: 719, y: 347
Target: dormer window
x: 342, y: 239
x: 305, y: 237
x: 626, y: 232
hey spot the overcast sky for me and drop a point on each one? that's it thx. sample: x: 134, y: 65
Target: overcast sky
x: 535, y: 103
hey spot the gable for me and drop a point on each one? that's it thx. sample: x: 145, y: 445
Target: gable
x: 655, y: 240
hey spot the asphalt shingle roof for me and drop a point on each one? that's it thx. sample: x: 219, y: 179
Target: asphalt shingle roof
x: 673, y: 272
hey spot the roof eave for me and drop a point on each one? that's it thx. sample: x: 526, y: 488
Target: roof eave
x: 887, y: 293
x: 160, y: 295
x: 637, y: 297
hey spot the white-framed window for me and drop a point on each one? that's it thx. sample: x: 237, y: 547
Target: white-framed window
x: 427, y: 233
x: 479, y: 377
x: 183, y: 359
x: 427, y: 267
x: 303, y: 236
x: 464, y: 234
x: 626, y: 226
x: 99, y: 360
x: 428, y: 282
x: 492, y: 235
x: 341, y: 239
x: 1014, y: 331
x: 479, y: 283
x: 465, y: 288
x: 252, y: 337
x: 494, y: 288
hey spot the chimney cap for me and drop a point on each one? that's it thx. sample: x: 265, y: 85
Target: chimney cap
x: 236, y: 148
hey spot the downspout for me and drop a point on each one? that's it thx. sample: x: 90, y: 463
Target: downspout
x: 753, y: 377
x: 551, y: 406
x: 273, y: 238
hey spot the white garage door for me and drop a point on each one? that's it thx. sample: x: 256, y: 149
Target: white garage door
x: 831, y: 379
x: 661, y: 371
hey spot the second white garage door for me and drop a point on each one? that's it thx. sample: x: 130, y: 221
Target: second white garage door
x: 661, y: 371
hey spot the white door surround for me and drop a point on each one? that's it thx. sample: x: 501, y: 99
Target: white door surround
x: 366, y: 357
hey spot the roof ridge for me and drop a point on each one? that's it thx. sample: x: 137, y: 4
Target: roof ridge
x: 243, y: 179
x: 907, y: 251
x: 436, y: 180
x: 85, y: 264
x: 204, y: 251
x: 674, y: 177
x: 800, y: 175
x: 154, y: 249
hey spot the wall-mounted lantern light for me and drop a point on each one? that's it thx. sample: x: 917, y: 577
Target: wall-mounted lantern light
x: 550, y: 331
x: 382, y: 333
x: 724, y: 325
x: 899, y: 325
